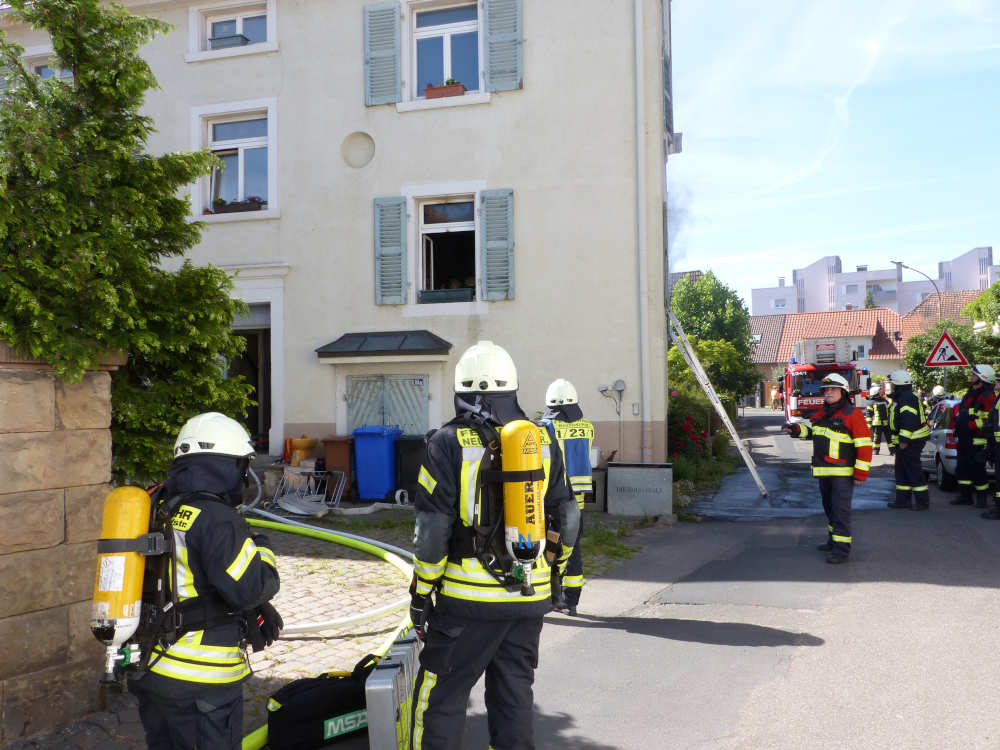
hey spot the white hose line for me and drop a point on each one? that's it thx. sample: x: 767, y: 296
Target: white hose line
x: 315, y: 627
x: 390, y: 556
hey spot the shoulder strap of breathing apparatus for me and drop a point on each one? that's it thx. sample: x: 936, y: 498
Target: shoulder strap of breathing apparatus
x: 484, y: 539
x: 164, y: 619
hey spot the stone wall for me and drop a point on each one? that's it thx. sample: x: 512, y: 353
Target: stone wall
x: 55, y: 468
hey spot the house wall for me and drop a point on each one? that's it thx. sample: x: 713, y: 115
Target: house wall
x: 55, y: 460
x: 575, y: 312
x: 578, y: 244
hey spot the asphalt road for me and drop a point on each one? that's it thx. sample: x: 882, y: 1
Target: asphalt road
x: 734, y: 633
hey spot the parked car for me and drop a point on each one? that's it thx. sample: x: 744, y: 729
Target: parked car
x: 939, y: 458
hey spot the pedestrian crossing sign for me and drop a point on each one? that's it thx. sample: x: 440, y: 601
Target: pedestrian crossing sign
x: 946, y: 354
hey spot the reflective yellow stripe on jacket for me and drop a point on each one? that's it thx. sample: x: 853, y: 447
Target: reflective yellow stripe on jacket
x: 468, y: 579
x: 188, y: 659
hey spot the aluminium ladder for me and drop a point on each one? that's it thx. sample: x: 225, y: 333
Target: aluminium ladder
x: 687, y: 351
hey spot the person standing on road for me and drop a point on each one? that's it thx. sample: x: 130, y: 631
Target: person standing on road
x: 908, y: 425
x: 879, y: 418
x: 993, y: 443
x: 970, y: 431
x: 842, y: 454
x: 485, y: 618
x: 566, y: 424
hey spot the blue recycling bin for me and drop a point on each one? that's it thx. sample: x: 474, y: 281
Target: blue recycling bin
x: 375, y: 460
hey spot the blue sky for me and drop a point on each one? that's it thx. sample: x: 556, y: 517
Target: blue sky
x: 868, y: 129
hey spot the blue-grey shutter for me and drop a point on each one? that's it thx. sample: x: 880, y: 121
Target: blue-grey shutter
x: 503, y: 45
x: 390, y: 251
x: 382, y: 76
x: 496, y: 260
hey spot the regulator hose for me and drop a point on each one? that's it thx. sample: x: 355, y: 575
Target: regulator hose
x: 393, y: 555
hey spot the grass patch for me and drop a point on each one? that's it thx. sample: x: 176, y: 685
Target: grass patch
x: 604, y: 545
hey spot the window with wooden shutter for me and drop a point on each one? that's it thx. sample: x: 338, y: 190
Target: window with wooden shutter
x: 390, y: 251
x: 382, y: 75
x: 504, y: 68
x: 497, y: 244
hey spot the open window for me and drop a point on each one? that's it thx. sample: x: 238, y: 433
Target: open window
x: 448, y: 251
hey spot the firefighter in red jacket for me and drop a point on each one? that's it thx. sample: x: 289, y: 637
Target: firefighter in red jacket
x: 970, y: 429
x: 842, y: 454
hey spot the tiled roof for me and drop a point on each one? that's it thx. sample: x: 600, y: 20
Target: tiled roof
x: 769, y: 328
x: 924, y: 316
x: 878, y: 323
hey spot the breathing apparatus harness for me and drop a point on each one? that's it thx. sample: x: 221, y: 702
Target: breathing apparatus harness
x: 164, y: 618
x: 483, y: 539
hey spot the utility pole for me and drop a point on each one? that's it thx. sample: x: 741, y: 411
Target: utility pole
x: 899, y: 265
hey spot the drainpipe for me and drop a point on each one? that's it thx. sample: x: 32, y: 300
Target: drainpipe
x: 645, y: 442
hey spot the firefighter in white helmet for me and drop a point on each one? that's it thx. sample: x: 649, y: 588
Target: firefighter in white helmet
x: 221, y: 579
x: 878, y: 412
x: 970, y: 431
x: 481, y: 619
x: 842, y: 454
x: 908, y: 425
x: 565, y: 423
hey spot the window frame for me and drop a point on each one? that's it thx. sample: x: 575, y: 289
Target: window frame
x: 200, y: 18
x: 782, y: 306
x: 416, y: 196
x: 238, y: 145
x: 444, y: 228
x: 202, y: 118
x: 412, y: 91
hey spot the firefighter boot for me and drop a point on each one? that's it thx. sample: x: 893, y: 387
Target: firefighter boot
x: 982, y: 500
x: 994, y: 513
x: 964, y: 497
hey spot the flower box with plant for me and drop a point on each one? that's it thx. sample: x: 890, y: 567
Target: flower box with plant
x: 451, y: 87
x: 252, y: 203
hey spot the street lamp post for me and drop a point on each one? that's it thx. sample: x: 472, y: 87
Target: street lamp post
x: 899, y: 264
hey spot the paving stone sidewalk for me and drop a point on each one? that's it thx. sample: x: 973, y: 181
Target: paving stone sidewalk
x: 320, y: 581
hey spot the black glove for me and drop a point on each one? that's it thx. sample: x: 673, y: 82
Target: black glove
x: 262, y: 625
x: 421, y: 606
x: 270, y: 622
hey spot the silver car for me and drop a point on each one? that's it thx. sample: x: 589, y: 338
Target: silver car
x: 939, y: 458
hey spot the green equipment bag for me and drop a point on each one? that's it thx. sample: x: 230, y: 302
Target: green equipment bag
x: 319, y: 711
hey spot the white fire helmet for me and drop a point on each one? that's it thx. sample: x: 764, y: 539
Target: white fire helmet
x: 485, y: 368
x: 833, y: 380
x: 937, y: 391
x: 874, y: 390
x: 900, y: 377
x: 215, y: 434
x: 985, y: 373
x: 560, y: 392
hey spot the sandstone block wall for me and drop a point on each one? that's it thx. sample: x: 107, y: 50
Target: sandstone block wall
x: 55, y: 469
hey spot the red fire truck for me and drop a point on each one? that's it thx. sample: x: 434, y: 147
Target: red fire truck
x: 801, y: 383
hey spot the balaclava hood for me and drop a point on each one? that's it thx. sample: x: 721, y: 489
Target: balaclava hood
x: 217, y: 475
x: 564, y: 413
x: 496, y: 407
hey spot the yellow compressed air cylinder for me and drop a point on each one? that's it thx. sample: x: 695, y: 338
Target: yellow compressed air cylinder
x: 523, y: 504
x: 118, y: 583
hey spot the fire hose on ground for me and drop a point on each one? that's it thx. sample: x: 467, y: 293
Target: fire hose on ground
x: 391, y: 554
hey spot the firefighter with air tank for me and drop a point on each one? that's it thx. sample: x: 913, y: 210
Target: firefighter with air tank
x: 481, y: 582
x: 565, y: 423
x: 208, y: 580
x: 909, y: 431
